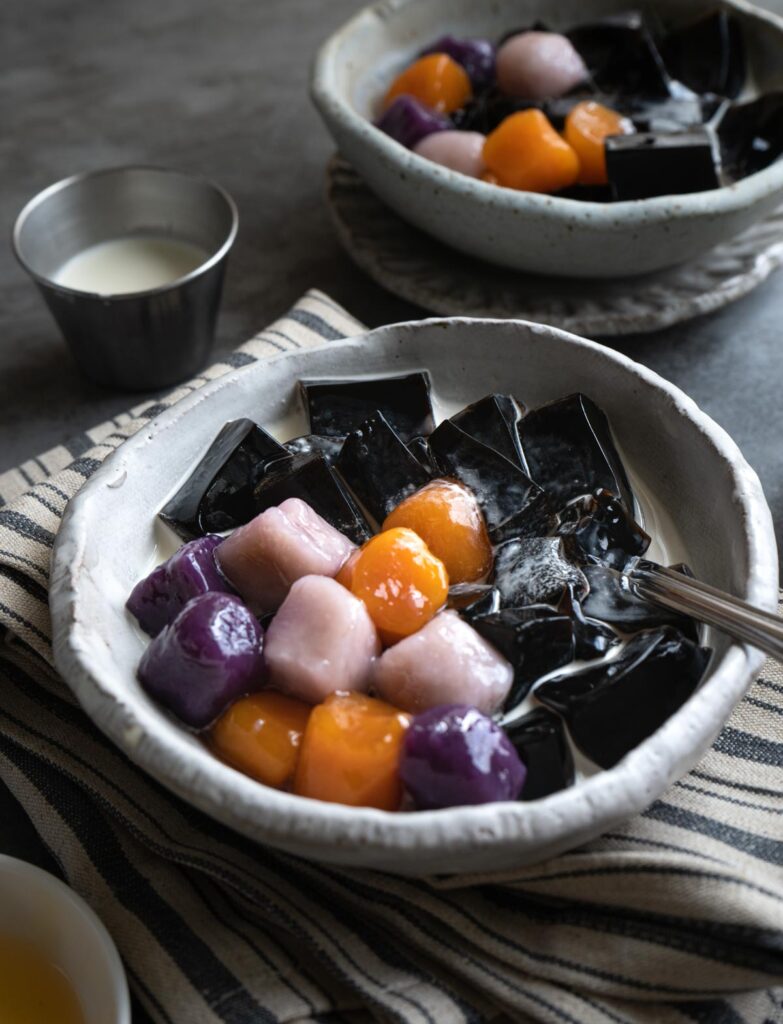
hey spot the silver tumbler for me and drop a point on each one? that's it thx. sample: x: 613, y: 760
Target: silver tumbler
x: 139, y: 340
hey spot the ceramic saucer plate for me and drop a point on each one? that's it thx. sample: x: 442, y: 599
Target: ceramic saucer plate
x: 420, y: 269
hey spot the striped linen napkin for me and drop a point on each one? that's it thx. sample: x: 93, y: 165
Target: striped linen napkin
x: 675, y: 916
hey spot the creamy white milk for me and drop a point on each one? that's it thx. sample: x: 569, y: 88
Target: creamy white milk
x: 133, y: 264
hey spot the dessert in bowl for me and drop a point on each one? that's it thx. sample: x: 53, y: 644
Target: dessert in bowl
x: 696, y: 497
x: 399, y: 615
x: 375, y: 64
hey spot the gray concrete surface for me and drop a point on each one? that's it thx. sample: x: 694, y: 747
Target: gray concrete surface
x: 220, y: 89
x: 214, y: 88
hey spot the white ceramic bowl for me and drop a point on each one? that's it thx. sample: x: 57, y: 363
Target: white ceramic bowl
x: 522, y: 230
x: 39, y: 909
x: 706, y: 498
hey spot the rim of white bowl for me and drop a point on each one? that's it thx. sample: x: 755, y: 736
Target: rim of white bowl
x: 32, y: 875
x: 619, y: 215
x: 310, y: 825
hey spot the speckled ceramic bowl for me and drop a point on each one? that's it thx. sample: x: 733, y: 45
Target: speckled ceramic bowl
x: 697, y: 493
x: 522, y: 230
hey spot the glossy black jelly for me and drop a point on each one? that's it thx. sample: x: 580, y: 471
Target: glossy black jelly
x: 672, y: 114
x: 502, y: 489
x: 315, y: 444
x: 611, y: 601
x: 378, y: 468
x: 536, y: 640
x: 586, y: 193
x: 472, y: 599
x: 218, y: 494
x: 600, y: 529
x: 540, y: 740
x: 592, y: 638
x: 535, y: 570
x: 708, y: 54
x: 621, y: 55
x: 419, y: 448
x: 493, y: 421
x: 336, y: 407
x: 751, y: 135
x: 311, y: 478
x: 611, y: 707
x: 649, y: 164
x: 536, y: 518
x: 570, y: 451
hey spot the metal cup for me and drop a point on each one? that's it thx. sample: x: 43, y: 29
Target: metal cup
x: 139, y: 340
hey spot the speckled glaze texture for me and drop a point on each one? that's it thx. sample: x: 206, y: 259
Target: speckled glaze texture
x: 677, y: 453
x: 419, y: 268
x: 520, y: 230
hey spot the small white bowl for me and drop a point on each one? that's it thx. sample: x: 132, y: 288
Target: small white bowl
x: 523, y: 230
x: 695, y: 488
x: 39, y: 909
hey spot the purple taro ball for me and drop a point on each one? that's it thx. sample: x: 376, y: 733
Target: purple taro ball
x: 454, y: 755
x: 160, y: 597
x: 477, y: 57
x: 210, y: 655
x: 407, y: 121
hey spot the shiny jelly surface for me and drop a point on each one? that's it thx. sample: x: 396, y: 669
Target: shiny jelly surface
x: 448, y: 519
x: 400, y: 581
x: 587, y: 126
x: 525, y: 152
x: 261, y: 735
x: 436, y: 80
x: 350, y: 752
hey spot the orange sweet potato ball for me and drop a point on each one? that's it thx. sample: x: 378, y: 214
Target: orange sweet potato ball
x: 525, y: 152
x: 260, y: 735
x: 351, y: 752
x: 448, y: 519
x: 400, y: 581
x: 587, y: 127
x: 436, y: 80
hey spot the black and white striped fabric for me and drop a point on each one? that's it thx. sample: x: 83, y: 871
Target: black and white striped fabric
x: 674, y: 917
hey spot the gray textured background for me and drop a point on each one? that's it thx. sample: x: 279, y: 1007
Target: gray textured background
x: 214, y: 88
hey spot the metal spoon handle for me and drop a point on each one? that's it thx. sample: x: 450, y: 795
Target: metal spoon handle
x: 708, y: 604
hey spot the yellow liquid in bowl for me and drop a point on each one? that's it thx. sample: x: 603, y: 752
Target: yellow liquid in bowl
x: 33, y: 990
